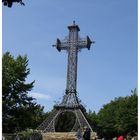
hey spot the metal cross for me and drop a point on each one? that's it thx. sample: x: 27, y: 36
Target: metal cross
x: 72, y: 44
x: 70, y: 102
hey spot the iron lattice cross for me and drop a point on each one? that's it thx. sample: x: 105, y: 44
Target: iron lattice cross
x: 72, y: 44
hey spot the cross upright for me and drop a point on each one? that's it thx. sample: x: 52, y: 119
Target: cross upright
x: 72, y: 44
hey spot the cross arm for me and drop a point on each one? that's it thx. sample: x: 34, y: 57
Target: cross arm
x: 85, y: 43
x: 60, y: 45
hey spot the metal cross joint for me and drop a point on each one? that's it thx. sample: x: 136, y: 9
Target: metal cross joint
x: 66, y: 45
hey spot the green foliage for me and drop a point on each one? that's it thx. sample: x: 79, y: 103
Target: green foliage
x: 118, y: 117
x: 9, y: 137
x: 92, y: 119
x: 19, y: 109
x: 65, y: 122
x: 27, y: 134
x: 30, y: 134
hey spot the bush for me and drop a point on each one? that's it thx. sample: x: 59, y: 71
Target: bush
x: 30, y: 133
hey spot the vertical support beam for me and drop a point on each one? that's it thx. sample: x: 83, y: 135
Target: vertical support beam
x: 72, y: 59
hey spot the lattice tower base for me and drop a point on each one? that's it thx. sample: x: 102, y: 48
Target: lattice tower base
x: 49, y: 124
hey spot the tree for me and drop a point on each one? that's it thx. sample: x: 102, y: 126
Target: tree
x: 127, y: 115
x: 106, y: 121
x: 119, y: 117
x: 19, y: 109
x: 92, y: 119
x: 9, y: 3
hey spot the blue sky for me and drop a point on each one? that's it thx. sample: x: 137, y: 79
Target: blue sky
x: 107, y: 71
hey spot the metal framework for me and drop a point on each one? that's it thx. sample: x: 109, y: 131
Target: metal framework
x: 72, y: 44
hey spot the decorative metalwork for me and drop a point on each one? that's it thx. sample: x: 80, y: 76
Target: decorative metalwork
x: 72, y: 44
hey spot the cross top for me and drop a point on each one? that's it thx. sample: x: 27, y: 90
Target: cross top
x: 73, y: 39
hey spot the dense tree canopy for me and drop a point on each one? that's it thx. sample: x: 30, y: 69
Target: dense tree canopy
x: 19, y: 109
x: 119, y: 117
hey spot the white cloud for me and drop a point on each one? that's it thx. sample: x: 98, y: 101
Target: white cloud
x: 40, y: 95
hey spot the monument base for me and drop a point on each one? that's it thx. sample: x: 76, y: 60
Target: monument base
x: 62, y: 136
